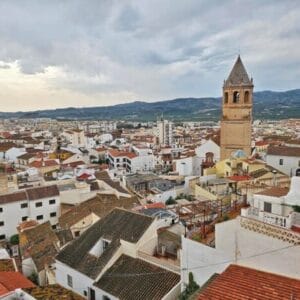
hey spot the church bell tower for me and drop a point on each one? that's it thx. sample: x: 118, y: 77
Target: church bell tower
x: 236, y: 120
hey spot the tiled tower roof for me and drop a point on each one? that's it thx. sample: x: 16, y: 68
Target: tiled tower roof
x: 238, y: 75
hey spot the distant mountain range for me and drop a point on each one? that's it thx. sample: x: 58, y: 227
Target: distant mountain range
x: 267, y: 105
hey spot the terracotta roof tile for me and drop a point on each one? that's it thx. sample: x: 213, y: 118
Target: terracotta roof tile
x: 240, y: 283
x: 52, y: 292
x: 274, y: 192
x: 13, y: 280
x: 284, y: 151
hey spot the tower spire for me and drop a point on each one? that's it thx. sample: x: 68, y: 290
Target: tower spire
x: 238, y: 75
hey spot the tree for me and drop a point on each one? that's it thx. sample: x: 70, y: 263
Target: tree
x: 14, y: 239
x: 34, y: 278
x: 190, y: 288
x: 170, y: 201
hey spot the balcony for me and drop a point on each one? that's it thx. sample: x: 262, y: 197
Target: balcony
x: 270, y: 230
x: 268, y: 218
x: 168, y: 262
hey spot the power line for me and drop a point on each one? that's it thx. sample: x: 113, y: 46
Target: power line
x: 243, y: 258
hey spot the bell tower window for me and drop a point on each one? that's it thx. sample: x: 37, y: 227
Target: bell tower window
x: 236, y: 97
x: 246, y: 97
x: 226, y: 98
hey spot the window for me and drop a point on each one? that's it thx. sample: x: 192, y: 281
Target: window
x: 40, y: 217
x: 77, y: 233
x: 267, y: 207
x: 105, y: 297
x: 226, y: 98
x: 52, y: 201
x: 53, y: 214
x: 24, y: 205
x: 2, y: 236
x: 24, y: 218
x: 70, y: 280
x: 281, y: 161
x: 236, y: 97
x: 246, y: 97
x: 1, y: 223
x: 104, y: 244
x: 92, y: 294
x: 53, y: 227
x: 38, y: 204
x: 85, y: 293
x: 1, y: 209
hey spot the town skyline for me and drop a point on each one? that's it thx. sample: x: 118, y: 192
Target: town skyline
x: 107, y: 53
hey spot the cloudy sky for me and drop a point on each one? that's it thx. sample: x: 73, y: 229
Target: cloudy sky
x: 103, y: 52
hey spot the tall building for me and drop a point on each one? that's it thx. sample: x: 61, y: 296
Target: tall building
x: 165, y: 132
x: 236, y: 120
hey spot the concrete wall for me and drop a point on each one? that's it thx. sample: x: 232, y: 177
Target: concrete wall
x: 235, y: 244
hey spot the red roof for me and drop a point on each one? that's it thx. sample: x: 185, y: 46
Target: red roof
x: 240, y: 283
x: 74, y: 164
x: 261, y: 143
x: 118, y: 153
x: 84, y: 176
x: 45, y: 163
x: 9, y: 281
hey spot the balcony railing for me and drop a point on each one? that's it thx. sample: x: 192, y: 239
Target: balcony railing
x: 265, y: 217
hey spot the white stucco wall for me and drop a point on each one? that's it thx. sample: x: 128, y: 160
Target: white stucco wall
x: 235, y: 244
x: 81, y: 282
x: 289, y: 166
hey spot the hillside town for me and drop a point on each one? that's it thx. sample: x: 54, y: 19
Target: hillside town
x: 155, y: 210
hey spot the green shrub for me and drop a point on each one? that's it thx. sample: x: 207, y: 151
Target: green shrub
x: 14, y: 239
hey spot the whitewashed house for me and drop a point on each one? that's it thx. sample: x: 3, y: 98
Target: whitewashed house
x: 40, y: 203
x: 284, y: 159
x: 96, y: 264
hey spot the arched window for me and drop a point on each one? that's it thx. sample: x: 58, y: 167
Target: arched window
x: 226, y: 98
x: 236, y: 97
x: 246, y: 97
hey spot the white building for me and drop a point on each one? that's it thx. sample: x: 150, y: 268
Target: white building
x: 139, y: 159
x: 94, y: 264
x: 207, y: 147
x: 265, y: 237
x: 76, y: 137
x: 40, y: 203
x: 285, y: 159
x: 164, y: 132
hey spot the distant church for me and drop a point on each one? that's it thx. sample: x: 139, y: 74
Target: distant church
x: 236, y: 120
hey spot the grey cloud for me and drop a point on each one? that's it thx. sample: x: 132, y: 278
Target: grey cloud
x: 151, y: 48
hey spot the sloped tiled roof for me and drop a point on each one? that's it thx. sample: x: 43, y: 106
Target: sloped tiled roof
x: 42, y: 192
x: 132, y: 278
x: 7, y: 265
x: 30, y: 194
x: 9, y: 281
x: 238, y: 75
x: 40, y: 243
x: 100, y: 205
x: 274, y: 192
x: 284, y: 151
x: 103, y: 175
x: 13, y: 197
x: 118, y: 224
x: 240, y: 283
x: 51, y: 292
